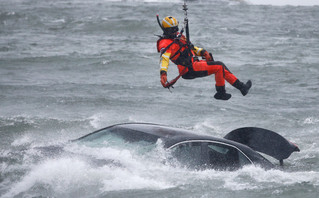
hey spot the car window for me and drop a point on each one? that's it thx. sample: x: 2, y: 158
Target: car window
x: 243, y: 160
x: 188, y: 154
x: 225, y: 157
x: 214, y: 155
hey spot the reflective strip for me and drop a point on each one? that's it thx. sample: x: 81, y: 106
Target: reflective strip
x: 197, y: 50
x: 165, y: 56
x: 164, y: 62
x: 168, y: 23
x: 174, y: 24
x: 164, y: 68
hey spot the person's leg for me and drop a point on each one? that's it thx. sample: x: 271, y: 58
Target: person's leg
x: 222, y: 73
x: 208, y: 68
x: 243, y: 88
x: 232, y: 79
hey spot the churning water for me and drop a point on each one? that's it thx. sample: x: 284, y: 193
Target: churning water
x: 70, y: 67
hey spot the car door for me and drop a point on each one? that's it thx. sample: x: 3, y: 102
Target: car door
x: 222, y: 156
x: 189, y: 154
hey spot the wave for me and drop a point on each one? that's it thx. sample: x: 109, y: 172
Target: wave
x: 253, y: 2
x: 284, y: 2
x: 67, y: 176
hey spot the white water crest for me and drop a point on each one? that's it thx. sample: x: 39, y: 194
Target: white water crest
x: 284, y: 2
x: 75, y: 176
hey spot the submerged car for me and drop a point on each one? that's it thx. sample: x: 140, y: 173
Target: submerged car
x: 238, y: 148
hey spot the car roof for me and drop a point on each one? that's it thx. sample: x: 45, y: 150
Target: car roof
x: 170, y: 135
x: 156, y: 130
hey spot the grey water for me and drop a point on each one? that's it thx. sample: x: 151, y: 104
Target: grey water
x: 68, y: 68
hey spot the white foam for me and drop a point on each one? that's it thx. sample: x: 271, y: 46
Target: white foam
x: 256, y: 176
x: 55, y: 173
x: 59, y: 21
x: 67, y: 175
x: 208, y: 128
x: 25, y: 139
x: 147, y: 1
x: 122, y: 179
x: 96, y: 119
x: 311, y: 120
x: 284, y: 2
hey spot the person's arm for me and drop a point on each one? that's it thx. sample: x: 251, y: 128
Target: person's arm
x: 202, y: 52
x: 197, y: 51
x: 164, y: 62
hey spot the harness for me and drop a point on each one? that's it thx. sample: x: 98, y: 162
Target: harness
x: 185, y: 56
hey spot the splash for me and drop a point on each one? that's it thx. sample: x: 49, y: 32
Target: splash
x: 76, y: 173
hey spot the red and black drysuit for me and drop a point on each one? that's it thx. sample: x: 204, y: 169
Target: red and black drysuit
x: 189, y: 65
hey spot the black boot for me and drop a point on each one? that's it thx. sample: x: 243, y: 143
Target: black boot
x: 221, y: 93
x: 243, y: 88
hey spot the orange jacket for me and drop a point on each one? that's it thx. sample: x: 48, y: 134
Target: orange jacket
x: 174, y: 50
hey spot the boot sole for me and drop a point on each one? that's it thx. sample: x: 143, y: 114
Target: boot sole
x: 222, y: 98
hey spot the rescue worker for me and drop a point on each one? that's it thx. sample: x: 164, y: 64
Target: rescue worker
x: 173, y: 46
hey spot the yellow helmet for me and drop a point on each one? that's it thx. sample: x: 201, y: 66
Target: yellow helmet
x: 169, y: 22
x: 170, y: 26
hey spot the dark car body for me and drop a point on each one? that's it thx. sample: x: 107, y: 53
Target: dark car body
x: 238, y: 148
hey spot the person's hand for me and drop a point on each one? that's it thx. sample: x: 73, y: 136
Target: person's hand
x: 207, y: 56
x: 164, y: 79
